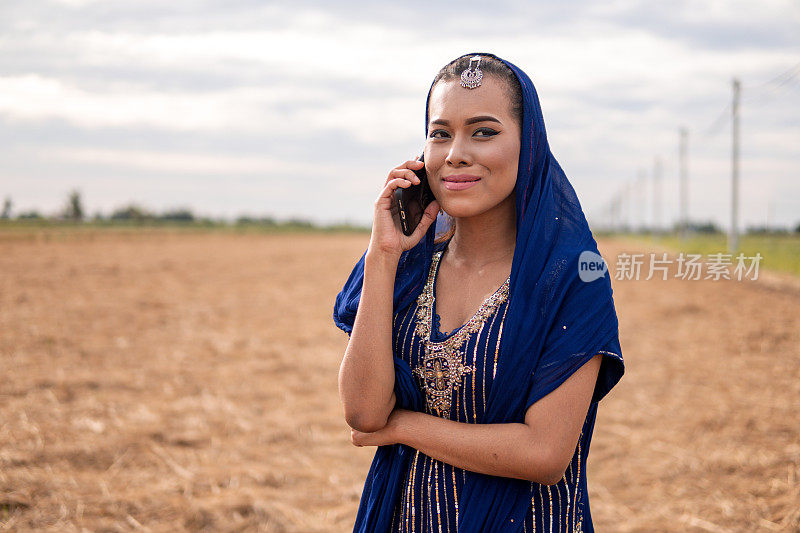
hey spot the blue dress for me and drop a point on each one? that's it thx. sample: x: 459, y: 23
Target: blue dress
x: 455, y: 376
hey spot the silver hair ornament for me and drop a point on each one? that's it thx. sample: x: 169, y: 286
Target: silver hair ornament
x: 471, y: 78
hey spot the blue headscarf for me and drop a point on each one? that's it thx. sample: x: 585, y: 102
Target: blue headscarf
x: 559, y: 323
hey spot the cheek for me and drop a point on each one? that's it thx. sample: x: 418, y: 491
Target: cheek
x: 503, y: 159
x: 434, y: 160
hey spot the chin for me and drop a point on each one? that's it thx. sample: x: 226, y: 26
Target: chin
x: 464, y: 208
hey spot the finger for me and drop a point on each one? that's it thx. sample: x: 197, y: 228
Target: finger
x: 410, y: 164
x: 404, y: 173
x: 428, y: 216
x: 388, y: 190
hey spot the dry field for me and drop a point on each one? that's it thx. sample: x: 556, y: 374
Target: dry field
x: 187, y: 381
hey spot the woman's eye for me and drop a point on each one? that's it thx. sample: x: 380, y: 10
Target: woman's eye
x: 484, y: 132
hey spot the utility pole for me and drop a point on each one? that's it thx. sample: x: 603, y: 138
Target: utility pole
x: 628, y: 207
x: 684, y: 192
x: 657, y: 195
x: 770, y: 213
x: 733, y: 233
x: 641, y: 200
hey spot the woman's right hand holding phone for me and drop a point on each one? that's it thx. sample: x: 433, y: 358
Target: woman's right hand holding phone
x: 367, y: 373
x: 387, y: 237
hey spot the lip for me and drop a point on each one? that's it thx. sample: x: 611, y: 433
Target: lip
x: 459, y: 182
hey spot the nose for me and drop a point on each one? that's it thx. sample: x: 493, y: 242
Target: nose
x: 458, y: 155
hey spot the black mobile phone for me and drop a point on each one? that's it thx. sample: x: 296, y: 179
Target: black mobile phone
x: 412, y: 201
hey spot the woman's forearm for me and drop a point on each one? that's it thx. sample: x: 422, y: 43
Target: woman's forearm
x: 366, y: 374
x: 508, y: 450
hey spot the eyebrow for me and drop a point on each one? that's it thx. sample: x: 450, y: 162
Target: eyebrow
x: 472, y: 120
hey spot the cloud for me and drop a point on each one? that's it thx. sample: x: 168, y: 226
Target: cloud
x: 33, y: 97
x: 723, y: 25
x: 153, y: 90
x: 285, y: 107
x: 189, y: 163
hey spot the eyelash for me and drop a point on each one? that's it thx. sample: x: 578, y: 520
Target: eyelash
x: 492, y: 133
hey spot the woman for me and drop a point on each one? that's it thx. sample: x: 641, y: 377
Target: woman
x: 487, y: 427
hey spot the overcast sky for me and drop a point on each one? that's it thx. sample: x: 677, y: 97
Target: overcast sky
x: 301, y: 108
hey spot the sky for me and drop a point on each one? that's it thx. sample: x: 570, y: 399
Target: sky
x: 247, y: 107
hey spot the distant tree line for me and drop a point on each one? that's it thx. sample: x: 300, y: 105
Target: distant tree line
x: 706, y: 228
x: 74, y: 212
x: 136, y: 213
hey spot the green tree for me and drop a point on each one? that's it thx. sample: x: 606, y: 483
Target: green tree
x: 178, y: 215
x: 6, y: 208
x: 74, y: 210
x: 131, y: 212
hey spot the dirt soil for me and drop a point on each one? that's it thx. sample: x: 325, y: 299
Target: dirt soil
x: 188, y: 381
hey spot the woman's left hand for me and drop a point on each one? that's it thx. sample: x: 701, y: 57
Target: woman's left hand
x: 391, y: 433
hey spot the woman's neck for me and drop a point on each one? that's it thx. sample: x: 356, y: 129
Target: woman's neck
x: 485, y: 238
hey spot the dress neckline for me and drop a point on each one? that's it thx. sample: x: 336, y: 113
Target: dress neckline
x: 441, y: 336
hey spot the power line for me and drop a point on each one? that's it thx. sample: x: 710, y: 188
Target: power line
x: 755, y: 95
x: 781, y: 79
x: 769, y: 90
x: 717, y: 124
x: 619, y: 208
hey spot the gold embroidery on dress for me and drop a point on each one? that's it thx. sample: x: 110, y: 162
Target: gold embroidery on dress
x: 566, y: 489
x: 442, y: 367
x: 578, y: 526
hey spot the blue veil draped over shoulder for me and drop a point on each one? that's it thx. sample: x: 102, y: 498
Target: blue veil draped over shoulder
x: 559, y: 323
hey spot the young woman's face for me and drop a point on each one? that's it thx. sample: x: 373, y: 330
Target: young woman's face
x: 472, y: 134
